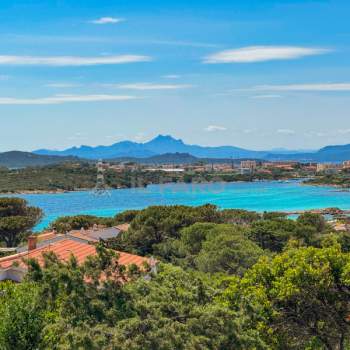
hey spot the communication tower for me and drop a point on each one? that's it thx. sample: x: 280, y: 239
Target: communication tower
x: 101, y: 188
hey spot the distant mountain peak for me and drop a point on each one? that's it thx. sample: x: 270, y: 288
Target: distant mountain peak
x: 165, y: 139
x: 167, y: 144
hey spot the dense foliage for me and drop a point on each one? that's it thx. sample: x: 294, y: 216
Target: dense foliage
x: 228, y: 279
x: 68, y: 223
x: 16, y: 220
x: 297, y: 300
x: 70, y: 177
x: 341, y: 179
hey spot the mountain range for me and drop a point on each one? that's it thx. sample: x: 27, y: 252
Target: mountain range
x: 160, y: 145
x: 166, y: 149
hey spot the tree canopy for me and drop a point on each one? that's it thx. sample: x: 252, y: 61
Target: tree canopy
x: 299, y: 299
x: 16, y: 220
x: 229, y: 279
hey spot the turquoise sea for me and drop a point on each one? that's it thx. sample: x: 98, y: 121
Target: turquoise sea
x: 258, y: 196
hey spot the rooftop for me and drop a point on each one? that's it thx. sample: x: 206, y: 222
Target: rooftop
x: 63, y: 248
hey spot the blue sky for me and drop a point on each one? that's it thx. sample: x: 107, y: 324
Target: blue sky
x: 259, y: 74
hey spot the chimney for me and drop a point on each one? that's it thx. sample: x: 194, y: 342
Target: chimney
x: 32, y: 242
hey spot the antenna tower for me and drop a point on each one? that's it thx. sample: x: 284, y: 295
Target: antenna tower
x: 101, y: 188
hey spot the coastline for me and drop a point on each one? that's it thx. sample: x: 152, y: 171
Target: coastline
x: 61, y: 191
x: 326, y: 185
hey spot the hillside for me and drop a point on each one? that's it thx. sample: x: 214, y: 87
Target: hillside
x: 176, y: 158
x: 18, y: 159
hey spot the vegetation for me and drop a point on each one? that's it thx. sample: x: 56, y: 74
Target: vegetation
x: 341, y: 179
x: 228, y: 279
x: 16, y: 220
x: 71, y: 176
x: 68, y: 177
x: 68, y: 223
x: 300, y: 299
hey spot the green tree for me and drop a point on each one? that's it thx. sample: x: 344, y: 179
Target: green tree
x: 272, y: 234
x: 297, y: 300
x: 126, y: 216
x: 22, y: 316
x: 239, y: 216
x: 315, y: 220
x: 227, y: 250
x: 16, y: 220
x: 213, y: 248
x: 67, y: 223
x: 153, y: 227
x: 176, y: 310
x: 80, y: 297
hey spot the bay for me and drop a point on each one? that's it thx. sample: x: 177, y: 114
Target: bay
x: 257, y: 196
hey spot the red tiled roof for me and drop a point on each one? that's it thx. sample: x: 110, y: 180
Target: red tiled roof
x: 64, y: 249
x: 84, y: 236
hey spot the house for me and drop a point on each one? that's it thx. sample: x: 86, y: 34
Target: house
x: 248, y: 164
x: 248, y: 167
x: 91, y: 235
x: 96, y: 233
x: 14, y: 267
x: 327, y: 168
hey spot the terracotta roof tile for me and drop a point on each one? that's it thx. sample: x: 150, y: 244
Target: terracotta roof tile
x: 63, y: 249
x: 82, y: 236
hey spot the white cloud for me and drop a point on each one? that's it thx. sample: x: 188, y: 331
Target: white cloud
x: 316, y: 134
x: 171, y: 76
x: 62, y: 85
x: 107, y: 20
x: 60, y: 99
x: 151, y: 86
x: 182, y: 43
x: 212, y: 128
x: 71, y: 60
x: 266, y: 96
x: 262, y: 53
x: 286, y: 131
x: 249, y: 131
x: 304, y: 87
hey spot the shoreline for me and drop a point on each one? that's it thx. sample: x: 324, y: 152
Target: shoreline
x: 327, y: 185
x: 61, y: 191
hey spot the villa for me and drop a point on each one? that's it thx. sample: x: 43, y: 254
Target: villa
x: 81, y: 244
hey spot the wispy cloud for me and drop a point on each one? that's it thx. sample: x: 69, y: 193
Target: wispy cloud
x: 182, y: 43
x: 60, y: 99
x: 151, y: 86
x: 315, y: 134
x: 107, y: 20
x: 262, y: 53
x: 171, y: 76
x: 212, y: 128
x: 266, y: 96
x: 249, y: 131
x: 62, y: 85
x: 303, y: 87
x: 285, y: 131
x: 71, y: 60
